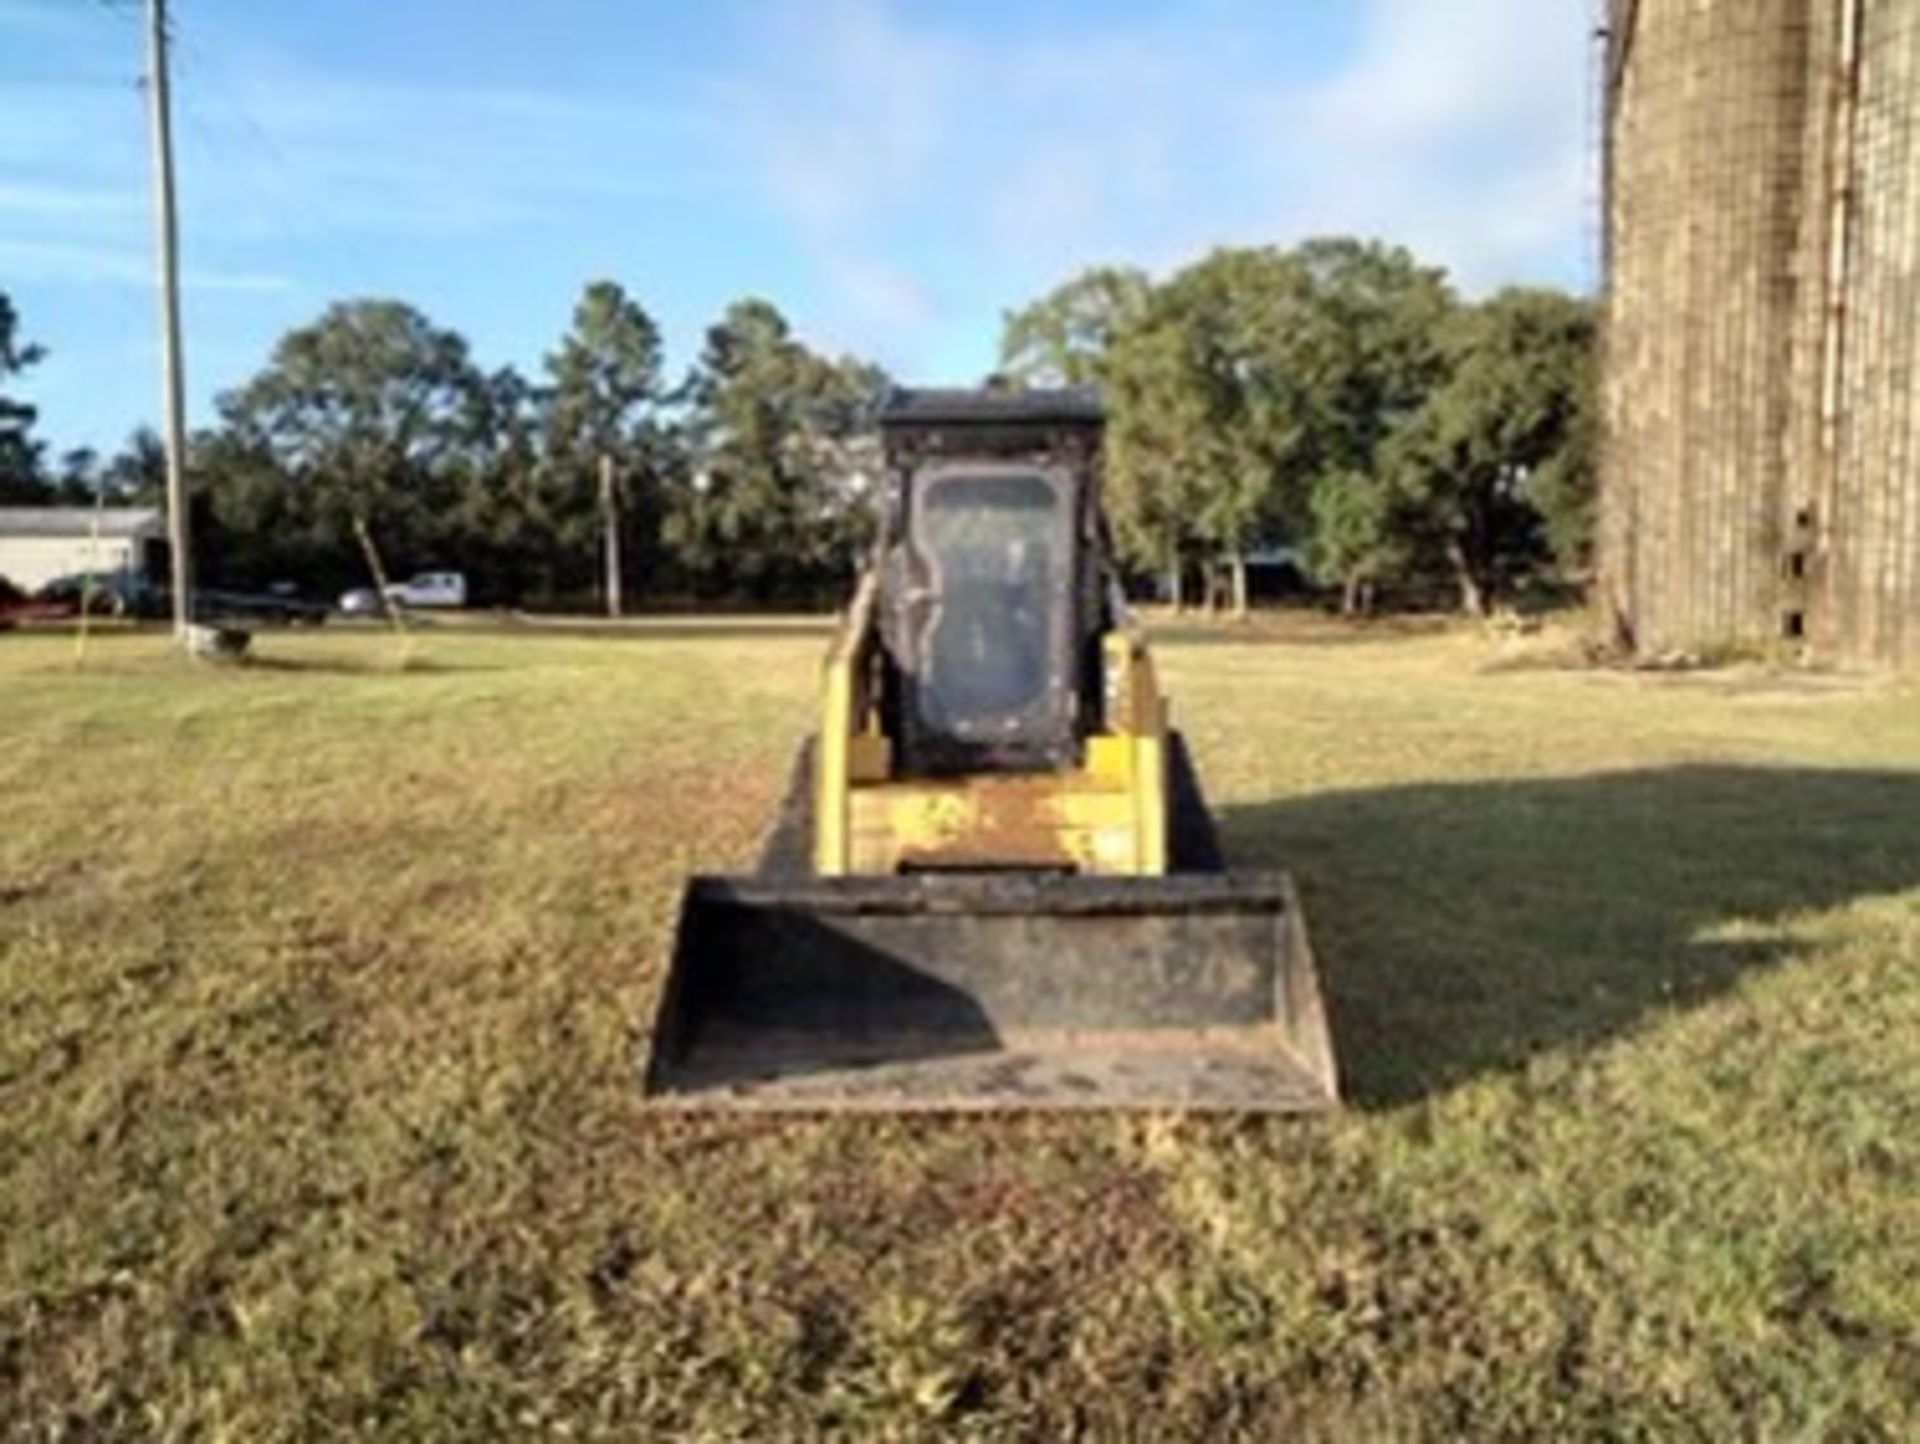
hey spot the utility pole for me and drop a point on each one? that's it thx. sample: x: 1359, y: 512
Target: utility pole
x: 167, y: 235
x: 610, y: 519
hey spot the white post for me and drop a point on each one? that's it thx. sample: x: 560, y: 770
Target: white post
x: 610, y: 519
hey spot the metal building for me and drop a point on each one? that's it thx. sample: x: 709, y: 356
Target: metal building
x: 1761, y: 469
x: 41, y: 544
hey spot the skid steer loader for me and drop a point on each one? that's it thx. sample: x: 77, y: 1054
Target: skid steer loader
x: 994, y: 883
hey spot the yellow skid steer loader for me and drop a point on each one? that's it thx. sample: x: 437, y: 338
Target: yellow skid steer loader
x: 994, y: 883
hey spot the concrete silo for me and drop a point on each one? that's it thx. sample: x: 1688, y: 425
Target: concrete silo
x: 1761, y: 468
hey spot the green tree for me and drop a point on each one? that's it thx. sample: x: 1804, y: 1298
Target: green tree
x: 1158, y: 452
x: 1504, y: 435
x: 1249, y: 395
x: 1359, y: 536
x: 1214, y: 412
x: 364, y: 416
x: 254, y: 523
x: 78, y: 479
x: 497, y: 474
x: 603, y: 435
x: 776, y: 436
x: 1371, y: 349
x: 136, y: 474
x: 1063, y: 338
x: 1380, y: 319
x: 1255, y: 358
x: 20, y: 474
x: 1564, y: 488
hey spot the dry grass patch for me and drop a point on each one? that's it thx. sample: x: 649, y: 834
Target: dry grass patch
x: 321, y: 986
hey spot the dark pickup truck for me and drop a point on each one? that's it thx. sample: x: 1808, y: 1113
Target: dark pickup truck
x: 280, y: 603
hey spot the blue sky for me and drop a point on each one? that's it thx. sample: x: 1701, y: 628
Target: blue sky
x: 893, y: 173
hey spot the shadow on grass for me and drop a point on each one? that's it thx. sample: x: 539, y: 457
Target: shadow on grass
x: 1462, y: 928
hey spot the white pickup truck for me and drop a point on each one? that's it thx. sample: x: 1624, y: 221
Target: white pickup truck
x: 430, y: 589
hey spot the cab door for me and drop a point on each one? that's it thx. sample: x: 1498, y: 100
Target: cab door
x: 990, y: 679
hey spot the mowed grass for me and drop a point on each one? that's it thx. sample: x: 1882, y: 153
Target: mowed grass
x: 322, y: 987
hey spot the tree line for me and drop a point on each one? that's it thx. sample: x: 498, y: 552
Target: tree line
x: 1338, y: 404
x: 1335, y: 405
x: 740, y: 481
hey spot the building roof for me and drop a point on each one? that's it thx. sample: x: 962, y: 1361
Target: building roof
x: 59, y: 521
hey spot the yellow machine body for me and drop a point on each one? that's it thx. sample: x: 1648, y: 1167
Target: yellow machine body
x: 1107, y: 817
x: 993, y: 882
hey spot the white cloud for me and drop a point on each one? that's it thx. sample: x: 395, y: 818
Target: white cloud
x: 36, y: 198
x: 858, y: 115
x: 882, y: 291
x: 77, y: 262
x: 292, y: 145
x: 1455, y: 126
x: 924, y: 165
x: 273, y: 150
x: 1460, y: 127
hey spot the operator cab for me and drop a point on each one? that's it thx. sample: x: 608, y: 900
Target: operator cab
x: 993, y: 598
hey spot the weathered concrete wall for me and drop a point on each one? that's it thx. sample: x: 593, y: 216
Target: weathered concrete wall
x: 1871, y: 582
x: 1761, y: 481
x: 30, y: 562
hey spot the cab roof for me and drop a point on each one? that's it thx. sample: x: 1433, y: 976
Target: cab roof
x: 918, y: 407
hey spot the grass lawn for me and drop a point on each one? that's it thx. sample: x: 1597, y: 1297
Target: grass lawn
x: 322, y: 982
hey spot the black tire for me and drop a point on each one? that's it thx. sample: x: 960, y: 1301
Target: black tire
x: 1193, y: 842
x: 787, y: 852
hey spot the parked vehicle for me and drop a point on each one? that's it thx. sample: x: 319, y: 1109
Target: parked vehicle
x: 430, y: 589
x: 14, y: 605
x: 110, y: 594
x: 281, y: 602
x: 119, y: 594
x: 362, y: 602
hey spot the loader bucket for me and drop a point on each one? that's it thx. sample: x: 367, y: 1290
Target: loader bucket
x: 976, y: 992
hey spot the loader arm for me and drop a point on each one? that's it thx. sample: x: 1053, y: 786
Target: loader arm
x: 852, y: 745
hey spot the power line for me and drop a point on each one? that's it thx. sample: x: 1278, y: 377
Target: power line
x: 297, y: 233
x: 341, y: 261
